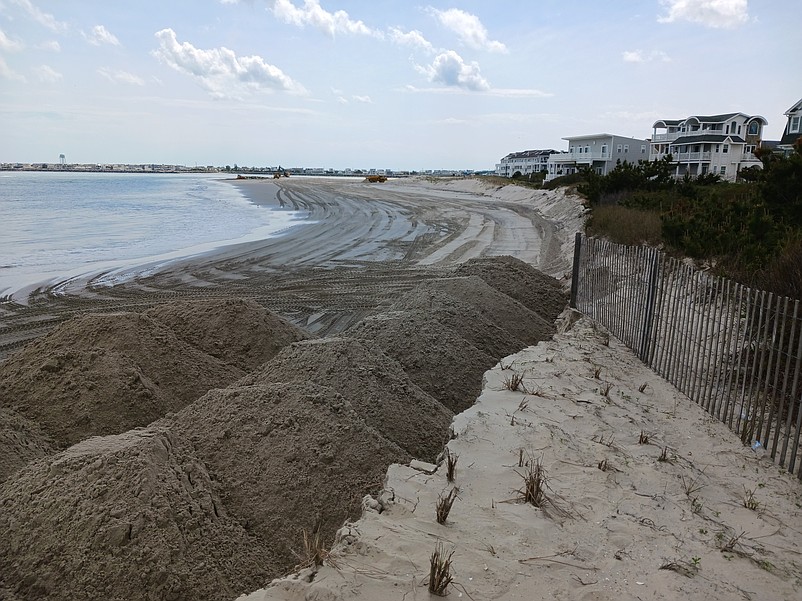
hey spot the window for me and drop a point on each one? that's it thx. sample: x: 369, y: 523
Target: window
x: 619, y: 148
x: 753, y: 128
x: 723, y: 170
x: 718, y: 147
x: 794, y: 127
x: 626, y: 147
x: 604, y: 149
x: 725, y: 149
x: 587, y: 149
x: 643, y: 148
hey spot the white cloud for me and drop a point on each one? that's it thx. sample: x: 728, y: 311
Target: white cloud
x: 448, y: 68
x: 412, y: 38
x: 363, y: 99
x: 315, y: 15
x: 119, y: 76
x: 8, y: 44
x: 710, y: 13
x: 7, y: 72
x: 101, y: 35
x: 43, y: 18
x: 51, y: 45
x: 468, y: 28
x: 220, y: 71
x: 48, y: 74
x: 633, y: 56
x: 637, y: 56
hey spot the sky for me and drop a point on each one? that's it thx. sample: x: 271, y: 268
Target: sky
x: 385, y: 84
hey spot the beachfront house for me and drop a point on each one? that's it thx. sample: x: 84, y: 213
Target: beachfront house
x: 599, y: 152
x: 524, y: 163
x: 720, y: 144
x: 793, y: 129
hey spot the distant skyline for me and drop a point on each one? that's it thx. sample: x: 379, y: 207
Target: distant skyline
x: 386, y: 84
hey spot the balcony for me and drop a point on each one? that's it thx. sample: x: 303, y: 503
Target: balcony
x: 689, y: 157
x: 683, y: 134
x: 580, y: 157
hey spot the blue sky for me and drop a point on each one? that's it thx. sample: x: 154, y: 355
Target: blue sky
x: 382, y: 83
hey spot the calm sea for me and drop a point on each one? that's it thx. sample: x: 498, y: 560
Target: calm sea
x: 59, y: 226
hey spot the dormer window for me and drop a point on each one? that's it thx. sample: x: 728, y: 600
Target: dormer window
x: 793, y: 128
x: 754, y: 128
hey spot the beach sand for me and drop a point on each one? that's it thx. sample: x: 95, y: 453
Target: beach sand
x: 644, y: 496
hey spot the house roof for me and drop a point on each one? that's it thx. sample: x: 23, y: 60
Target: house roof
x: 789, y: 139
x: 708, y: 138
x: 526, y: 154
x: 795, y: 108
x: 667, y: 123
x: 588, y: 137
x: 723, y: 118
x: 714, y: 118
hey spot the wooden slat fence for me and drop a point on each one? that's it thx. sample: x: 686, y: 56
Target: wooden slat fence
x: 734, y: 350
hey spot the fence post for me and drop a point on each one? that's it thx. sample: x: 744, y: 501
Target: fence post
x: 575, y: 272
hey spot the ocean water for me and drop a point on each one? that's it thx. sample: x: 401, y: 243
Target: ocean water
x: 55, y: 227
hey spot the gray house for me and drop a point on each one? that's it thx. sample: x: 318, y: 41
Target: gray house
x: 720, y: 144
x: 600, y: 152
x: 793, y: 129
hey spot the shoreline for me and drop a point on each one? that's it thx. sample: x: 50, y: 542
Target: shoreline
x: 81, y: 279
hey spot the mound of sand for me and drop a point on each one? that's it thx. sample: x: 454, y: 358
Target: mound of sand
x: 535, y: 290
x: 105, y: 374
x: 497, y: 307
x: 462, y: 317
x: 239, y: 332
x: 435, y: 357
x: 21, y: 441
x: 132, y: 516
x: 287, y: 457
x: 375, y: 385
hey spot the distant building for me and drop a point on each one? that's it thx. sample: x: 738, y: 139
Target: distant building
x: 599, y: 152
x: 793, y: 128
x: 720, y: 144
x: 523, y: 163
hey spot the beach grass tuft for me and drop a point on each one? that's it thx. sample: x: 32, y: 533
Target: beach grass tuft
x: 440, y: 571
x: 451, y: 465
x: 444, y: 504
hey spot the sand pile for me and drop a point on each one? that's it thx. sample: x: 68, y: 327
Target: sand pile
x: 501, y: 309
x: 446, y: 332
x: 104, y: 374
x: 132, y: 516
x: 286, y: 457
x: 436, y: 358
x: 21, y: 441
x: 535, y: 290
x: 375, y: 385
x: 239, y: 332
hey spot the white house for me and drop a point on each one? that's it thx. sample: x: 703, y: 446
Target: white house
x: 720, y: 144
x: 793, y: 129
x: 523, y: 163
x: 600, y: 152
